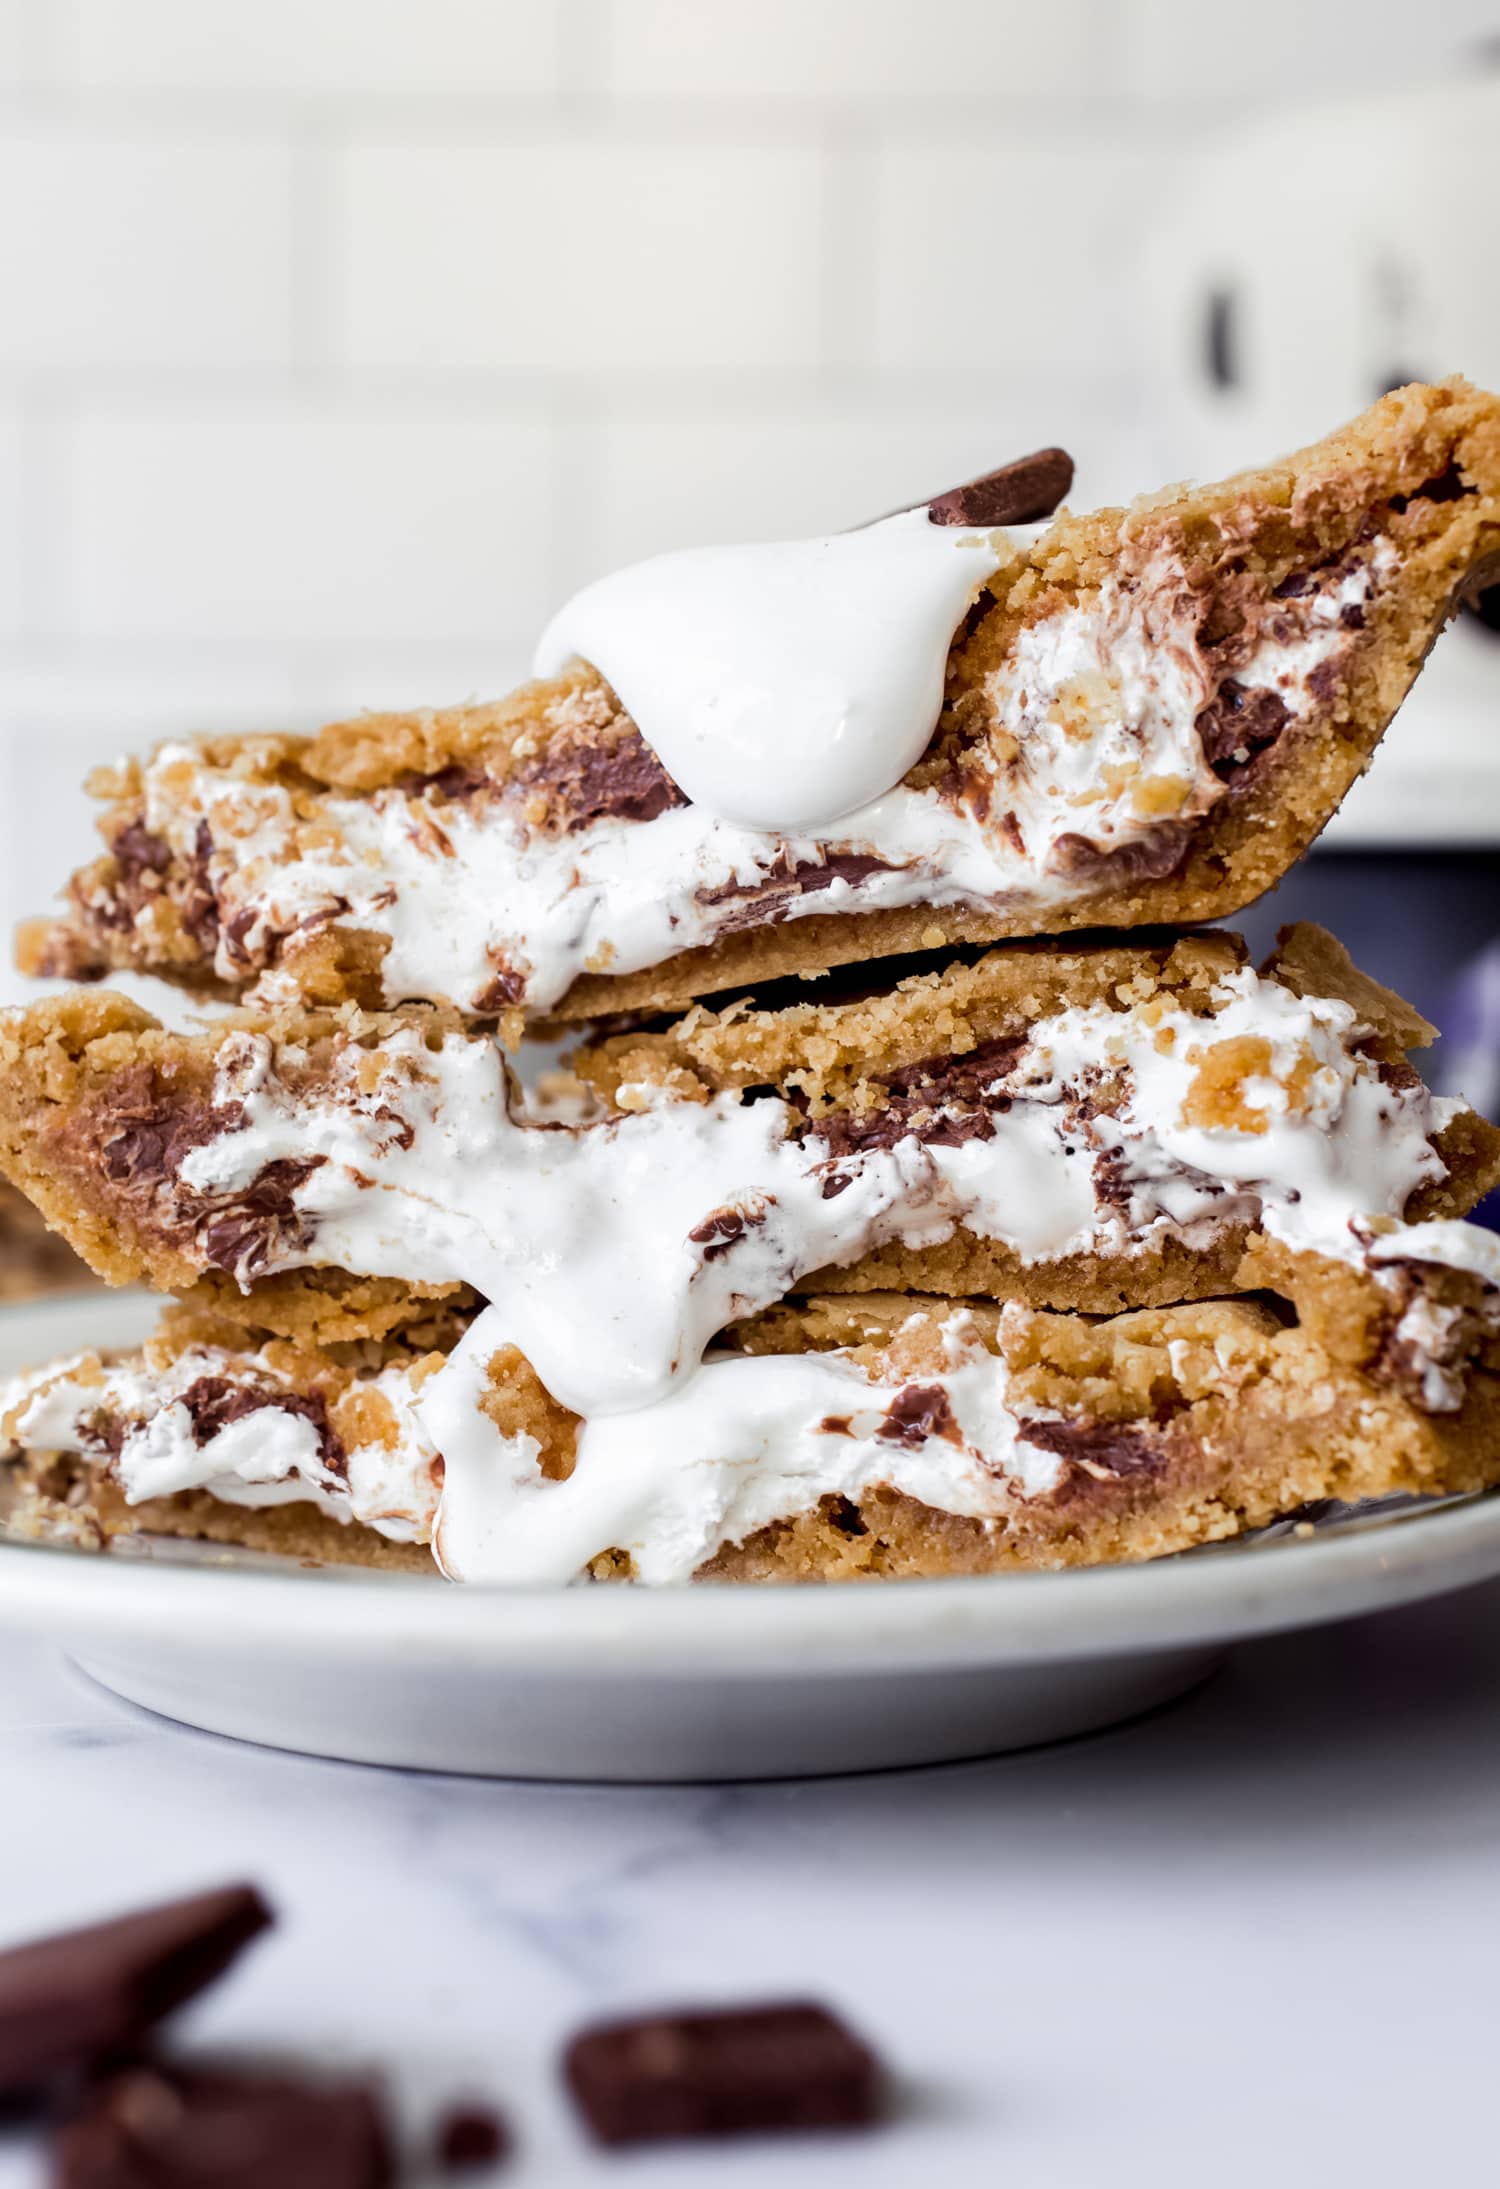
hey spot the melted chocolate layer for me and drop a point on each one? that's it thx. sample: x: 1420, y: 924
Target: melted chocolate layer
x: 1114, y: 1447
x: 921, y: 1411
x: 620, y: 781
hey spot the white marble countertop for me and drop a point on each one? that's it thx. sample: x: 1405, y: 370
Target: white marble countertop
x: 1250, y: 1939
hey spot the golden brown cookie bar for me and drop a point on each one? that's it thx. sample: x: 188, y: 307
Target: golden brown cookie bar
x: 322, y: 1417
x: 846, y: 1438
x: 1150, y: 714
x: 1096, y: 1126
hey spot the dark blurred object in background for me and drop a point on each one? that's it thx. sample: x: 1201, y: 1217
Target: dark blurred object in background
x: 1427, y: 923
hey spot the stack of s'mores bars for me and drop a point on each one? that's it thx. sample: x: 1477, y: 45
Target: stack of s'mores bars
x: 927, y: 1187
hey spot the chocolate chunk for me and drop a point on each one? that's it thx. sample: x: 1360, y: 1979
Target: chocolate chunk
x: 841, y: 1512
x: 1114, y: 1447
x: 138, y: 852
x: 1447, y: 486
x: 943, y: 1101
x: 199, y: 900
x: 583, y: 783
x: 454, y: 783
x: 918, y: 1117
x: 471, y: 2135
x: 1019, y: 493
x: 1323, y: 682
x: 506, y: 989
x: 143, y: 1132
x: 959, y: 1078
x: 188, y: 2128
x: 213, y: 1402
x: 147, y: 866
x: 1486, y: 606
x: 85, y: 1996
x: 1397, y: 1072
x: 719, y: 1232
x: 246, y: 1234
x: 1151, y: 857
x: 1238, y: 725
x: 921, y: 1411
x: 734, y: 2073
x: 765, y: 900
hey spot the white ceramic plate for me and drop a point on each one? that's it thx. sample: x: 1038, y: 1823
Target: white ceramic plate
x: 703, y: 1683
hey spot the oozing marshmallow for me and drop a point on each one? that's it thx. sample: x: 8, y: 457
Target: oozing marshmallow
x: 1095, y: 744
x: 611, y: 1253
x: 784, y: 685
x: 746, y: 1442
x: 749, y: 1441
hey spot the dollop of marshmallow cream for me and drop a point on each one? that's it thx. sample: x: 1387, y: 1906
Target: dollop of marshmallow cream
x: 784, y: 685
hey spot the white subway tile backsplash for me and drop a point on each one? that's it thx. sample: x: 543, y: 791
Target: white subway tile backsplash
x: 577, y: 253
x: 77, y: 705
x: 1288, y: 50
x: 143, y: 249
x: 1003, y: 252
x: 12, y: 45
x: 778, y: 472
x: 373, y: 680
x: 338, y: 337
x: 13, y: 515
x: 307, y: 523
x: 851, y: 50
x: 344, y: 47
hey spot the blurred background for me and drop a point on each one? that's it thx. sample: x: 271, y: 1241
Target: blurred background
x: 339, y: 341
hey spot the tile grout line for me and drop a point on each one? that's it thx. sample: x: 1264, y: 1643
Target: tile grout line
x: 848, y: 299
x: 313, y: 268
x: 44, y: 420
x: 44, y: 25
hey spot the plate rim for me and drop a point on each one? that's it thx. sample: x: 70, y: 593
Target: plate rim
x: 356, y: 1615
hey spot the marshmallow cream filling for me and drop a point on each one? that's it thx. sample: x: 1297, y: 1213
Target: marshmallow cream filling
x: 610, y: 1254
x: 266, y: 1455
x: 1093, y: 737
x: 783, y: 685
x: 748, y: 1441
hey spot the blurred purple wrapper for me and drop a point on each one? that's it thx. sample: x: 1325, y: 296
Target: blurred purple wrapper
x: 1468, y: 1059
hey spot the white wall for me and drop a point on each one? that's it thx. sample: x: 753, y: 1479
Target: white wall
x: 339, y: 337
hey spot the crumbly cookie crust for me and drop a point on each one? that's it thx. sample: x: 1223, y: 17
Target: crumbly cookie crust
x: 1421, y: 470
x: 1174, y: 1427
x: 99, y: 1106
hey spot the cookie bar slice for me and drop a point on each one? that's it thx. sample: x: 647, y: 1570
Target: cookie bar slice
x: 223, y: 1431
x: 845, y: 1438
x: 1098, y: 1126
x: 1149, y: 714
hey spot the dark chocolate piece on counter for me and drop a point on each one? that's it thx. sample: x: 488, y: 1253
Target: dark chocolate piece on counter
x: 159, y: 2127
x: 1020, y: 493
x: 744, y: 2071
x: 471, y: 2136
x: 86, y: 1996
